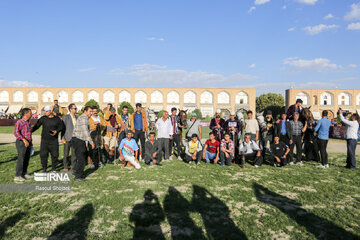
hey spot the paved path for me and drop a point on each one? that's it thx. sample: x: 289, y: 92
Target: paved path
x: 334, y: 146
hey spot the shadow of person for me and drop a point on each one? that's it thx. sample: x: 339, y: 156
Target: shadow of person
x: 75, y: 228
x: 10, y: 222
x: 147, y: 217
x: 215, y: 215
x: 319, y: 227
x: 177, y: 210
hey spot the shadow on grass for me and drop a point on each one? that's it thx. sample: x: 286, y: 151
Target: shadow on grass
x: 15, y: 157
x: 147, y: 217
x: 10, y: 222
x: 75, y: 228
x: 319, y: 227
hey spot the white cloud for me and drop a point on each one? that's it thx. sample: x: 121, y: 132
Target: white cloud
x: 252, y: 9
x: 284, y: 7
x: 86, y: 69
x: 147, y: 66
x: 329, y: 16
x: 252, y: 65
x: 317, y: 64
x: 313, y: 30
x: 308, y: 2
x: 117, y: 71
x: 6, y: 83
x: 354, y: 13
x: 261, y: 2
x: 155, y: 39
x: 292, y: 29
x: 354, y: 26
x: 352, y: 66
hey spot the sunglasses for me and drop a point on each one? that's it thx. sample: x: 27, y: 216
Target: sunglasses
x: 74, y: 108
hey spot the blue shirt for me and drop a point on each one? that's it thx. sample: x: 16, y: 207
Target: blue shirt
x: 138, y: 121
x: 323, y: 127
x: 128, y: 148
x: 283, y: 128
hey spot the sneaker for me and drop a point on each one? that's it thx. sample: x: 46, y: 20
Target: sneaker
x: 101, y: 165
x: 19, y: 179
x: 290, y: 163
x: 92, y: 166
x: 80, y: 180
x: 222, y: 164
x: 207, y: 161
x: 327, y: 166
x: 320, y: 166
x: 198, y: 163
x: 151, y: 163
x: 28, y: 176
x: 274, y: 165
x: 300, y: 163
x: 243, y: 166
x: 158, y: 164
x: 256, y: 166
x: 179, y: 158
x: 54, y: 171
x: 66, y: 169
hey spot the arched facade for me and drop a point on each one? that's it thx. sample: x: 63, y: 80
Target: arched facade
x: 326, y: 98
x: 344, y: 99
x: 32, y: 96
x: 18, y: 96
x: 206, y: 97
x: 173, y: 97
x: 241, y: 98
x: 63, y: 96
x: 358, y: 100
x: 140, y: 97
x: 109, y: 97
x: 190, y: 97
x: 156, y: 97
x: 4, y: 96
x: 304, y: 97
x: 223, y: 98
x: 78, y: 97
x: 124, y: 96
x: 93, y: 95
x: 47, y: 97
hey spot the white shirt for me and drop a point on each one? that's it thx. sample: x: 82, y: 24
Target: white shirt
x: 249, y: 147
x: 251, y: 126
x: 352, y: 128
x: 164, y: 128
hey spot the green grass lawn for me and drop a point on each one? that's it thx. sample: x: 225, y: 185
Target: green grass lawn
x: 10, y: 130
x: 187, y: 202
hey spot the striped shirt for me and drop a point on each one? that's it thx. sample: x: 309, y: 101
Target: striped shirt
x: 81, y: 129
x: 23, y: 129
x: 296, y: 127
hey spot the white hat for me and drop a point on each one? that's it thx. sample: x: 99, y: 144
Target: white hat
x: 48, y: 108
x: 232, y: 113
x: 218, y: 111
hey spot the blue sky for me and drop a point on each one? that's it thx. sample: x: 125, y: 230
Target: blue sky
x: 268, y: 44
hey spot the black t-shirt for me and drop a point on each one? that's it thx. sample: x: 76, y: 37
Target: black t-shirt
x: 49, y: 124
x: 278, y: 149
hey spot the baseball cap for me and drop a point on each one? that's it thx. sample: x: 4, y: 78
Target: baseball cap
x: 48, y: 108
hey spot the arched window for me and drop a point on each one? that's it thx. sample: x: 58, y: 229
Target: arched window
x: 326, y: 99
x: 108, y: 97
x: 173, y: 97
x: 47, y: 97
x: 32, y: 96
x: 18, y: 96
x: 344, y: 99
x: 63, y: 96
x: 140, y: 97
x: 241, y: 98
x: 206, y: 97
x: 78, y: 97
x: 358, y: 100
x: 4, y: 96
x: 223, y: 98
x: 93, y: 95
x: 124, y: 96
x: 190, y: 97
x: 156, y: 97
x: 304, y: 97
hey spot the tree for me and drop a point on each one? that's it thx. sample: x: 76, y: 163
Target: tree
x: 207, y: 118
x: 124, y: 103
x: 270, y: 101
x: 198, y: 113
x: 160, y: 114
x: 92, y: 103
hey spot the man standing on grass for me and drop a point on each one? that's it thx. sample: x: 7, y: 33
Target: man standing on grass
x: 139, y: 126
x: 69, y: 121
x: 175, y: 124
x: 234, y: 128
x: 129, y: 151
x: 193, y: 127
x: 211, y: 149
x: 51, y: 126
x: 283, y: 130
x: 252, y: 127
x: 193, y: 150
x: 97, y: 125
x: 153, y: 153
x: 351, y: 138
x: 323, y: 127
x: 297, y: 128
x: 22, y: 132
x: 80, y: 139
x: 112, y: 121
x: 165, y: 133
x: 217, y: 125
x: 124, y: 123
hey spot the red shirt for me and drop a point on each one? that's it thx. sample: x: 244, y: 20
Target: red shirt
x: 212, y: 147
x: 23, y: 129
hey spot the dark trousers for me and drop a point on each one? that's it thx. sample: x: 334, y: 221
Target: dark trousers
x: 173, y: 142
x: 252, y: 157
x: 351, y: 148
x: 67, y: 147
x: 23, y: 157
x: 164, y: 146
x: 139, y: 134
x: 297, y: 143
x: 285, y: 139
x: 283, y: 161
x: 81, y: 157
x: 149, y: 158
x: 122, y: 135
x: 198, y: 157
x: 47, y: 147
x: 235, y: 138
x: 322, y: 145
x: 225, y: 160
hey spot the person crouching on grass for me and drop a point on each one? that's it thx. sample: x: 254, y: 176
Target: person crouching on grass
x: 249, y: 150
x: 193, y: 150
x: 153, y: 153
x: 129, y: 151
x: 279, y: 152
x: 227, y: 151
x: 211, y: 149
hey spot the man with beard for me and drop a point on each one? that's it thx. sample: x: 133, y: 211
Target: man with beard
x: 97, y: 124
x: 51, y: 126
x: 112, y: 121
x: 217, y: 125
x: 233, y: 127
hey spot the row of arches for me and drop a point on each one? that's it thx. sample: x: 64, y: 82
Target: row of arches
x: 156, y: 97
x: 327, y: 98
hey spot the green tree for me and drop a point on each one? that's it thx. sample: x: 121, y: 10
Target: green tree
x: 130, y: 108
x: 198, y: 113
x: 92, y: 103
x: 160, y: 114
x: 207, y: 118
x: 270, y: 101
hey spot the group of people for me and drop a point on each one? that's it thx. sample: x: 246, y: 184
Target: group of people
x: 125, y: 139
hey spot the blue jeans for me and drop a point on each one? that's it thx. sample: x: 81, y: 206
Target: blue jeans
x: 209, y: 156
x: 351, y: 147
